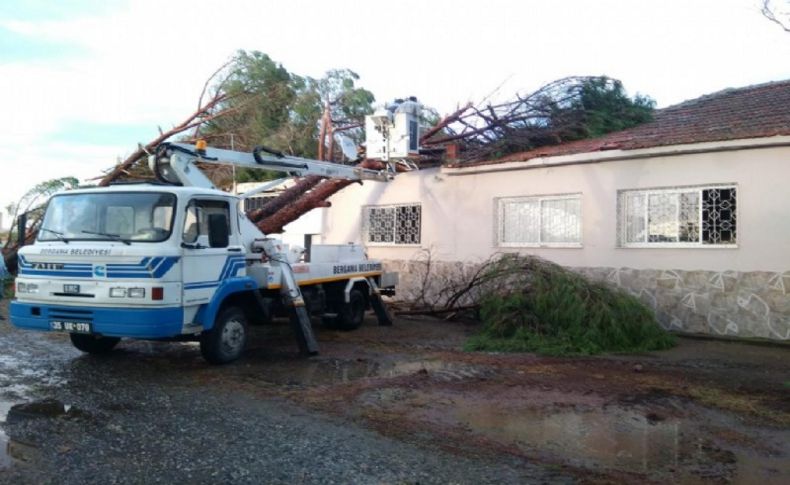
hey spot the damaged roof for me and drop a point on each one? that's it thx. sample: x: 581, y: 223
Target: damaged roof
x: 737, y: 113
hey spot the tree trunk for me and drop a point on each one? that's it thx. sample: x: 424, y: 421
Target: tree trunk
x: 286, y: 198
x: 309, y: 201
x: 298, y: 205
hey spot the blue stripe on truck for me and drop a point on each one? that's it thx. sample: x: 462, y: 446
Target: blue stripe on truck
x: 146, y: 268
x: 229, y: 270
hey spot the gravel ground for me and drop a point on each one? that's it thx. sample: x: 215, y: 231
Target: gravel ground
x: 151, y: 413
x: 179, y: 435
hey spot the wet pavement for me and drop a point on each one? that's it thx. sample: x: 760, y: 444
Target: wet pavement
x: 401, y: 404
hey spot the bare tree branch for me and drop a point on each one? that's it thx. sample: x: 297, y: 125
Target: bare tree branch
x: 770, y: 12
x: 487, y: 129
x: 190, y: 121
x: 210, y: 80
x: 451, y: 118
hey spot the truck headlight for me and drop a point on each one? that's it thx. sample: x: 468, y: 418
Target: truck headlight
x: 27, y: 288
x: 121, y: 292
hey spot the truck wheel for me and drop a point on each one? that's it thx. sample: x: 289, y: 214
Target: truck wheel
x: 93, y: 344
x: 350, y: 315
x: 225, y: 342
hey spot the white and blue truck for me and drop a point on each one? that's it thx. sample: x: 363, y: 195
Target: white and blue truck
x: 179, y: 260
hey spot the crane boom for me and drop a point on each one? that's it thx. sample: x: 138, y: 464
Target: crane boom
x: 174, y: 163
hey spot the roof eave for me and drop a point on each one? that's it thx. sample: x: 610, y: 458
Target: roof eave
x: 615, y: 155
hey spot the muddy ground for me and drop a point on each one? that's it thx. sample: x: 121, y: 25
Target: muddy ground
x: 400, y: 404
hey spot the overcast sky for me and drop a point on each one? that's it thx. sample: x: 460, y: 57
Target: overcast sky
x: 85, y: 80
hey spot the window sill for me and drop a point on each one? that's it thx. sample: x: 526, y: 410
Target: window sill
x: 542, y: 246
x: 391, y: 245
x: 677, y: 246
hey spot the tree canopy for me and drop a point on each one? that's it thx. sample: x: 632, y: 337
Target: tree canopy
x: 269, y: 105
x: 604, y: 107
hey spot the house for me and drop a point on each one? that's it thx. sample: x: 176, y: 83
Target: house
x: 689, y: 212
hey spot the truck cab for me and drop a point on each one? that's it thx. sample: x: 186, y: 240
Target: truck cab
x: 128, y: 261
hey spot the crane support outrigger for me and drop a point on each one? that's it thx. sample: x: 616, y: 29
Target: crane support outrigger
x: 180, y: 261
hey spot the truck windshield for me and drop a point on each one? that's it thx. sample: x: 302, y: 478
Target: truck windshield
x: 112, y: 216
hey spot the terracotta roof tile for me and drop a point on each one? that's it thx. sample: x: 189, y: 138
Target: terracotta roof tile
x: 749, y: 112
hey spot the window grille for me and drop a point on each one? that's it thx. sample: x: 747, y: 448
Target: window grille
x: 539, y: 221
x: 678, y: 217
x: 392, y: 224
x: 257, y: 202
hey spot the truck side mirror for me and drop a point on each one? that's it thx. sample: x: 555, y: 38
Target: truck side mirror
x: 218, y: 231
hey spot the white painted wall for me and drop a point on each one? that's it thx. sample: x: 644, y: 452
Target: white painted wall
x: 310, y: 223
x: 458, y: 211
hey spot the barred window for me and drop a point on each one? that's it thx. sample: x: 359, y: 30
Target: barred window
x: 678, y: 217
x: 257, y: 201
x: 392, y: 224
x: 540, y: 221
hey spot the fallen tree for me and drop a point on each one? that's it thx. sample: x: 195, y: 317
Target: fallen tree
x: 526, y: 303
x: 542, y: 307
x: 564, y: 110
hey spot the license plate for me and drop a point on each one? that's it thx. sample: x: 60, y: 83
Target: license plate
x: 71, y: 327
x: 71, y: 289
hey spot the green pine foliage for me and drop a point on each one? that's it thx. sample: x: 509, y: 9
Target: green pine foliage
x: 562, y: 111
x: 606, y: 107
x: 280, y: 109
x: 551, y: 310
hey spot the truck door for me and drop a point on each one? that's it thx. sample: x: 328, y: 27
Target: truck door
x: 208, y: 262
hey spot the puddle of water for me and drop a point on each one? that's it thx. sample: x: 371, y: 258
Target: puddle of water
x: 13, y: 451
x: 329, y: 372
x: 439, y: 369
x: 766, y: 470
x: 318, y: 372
x: 5, y: 443
x: 622, y: 440
x: 5, y: 458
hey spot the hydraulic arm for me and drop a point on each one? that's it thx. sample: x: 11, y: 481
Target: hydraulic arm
x: 174, y: 163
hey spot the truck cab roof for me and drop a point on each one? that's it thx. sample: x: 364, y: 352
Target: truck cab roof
x: 151, y: 187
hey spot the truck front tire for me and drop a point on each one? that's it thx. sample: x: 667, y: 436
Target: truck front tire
x: 93, y: 344
x: 226, y: 341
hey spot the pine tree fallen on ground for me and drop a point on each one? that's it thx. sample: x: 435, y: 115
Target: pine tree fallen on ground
x: 533, y: 305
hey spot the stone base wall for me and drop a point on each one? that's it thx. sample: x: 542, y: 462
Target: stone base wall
x: 723, y: 303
